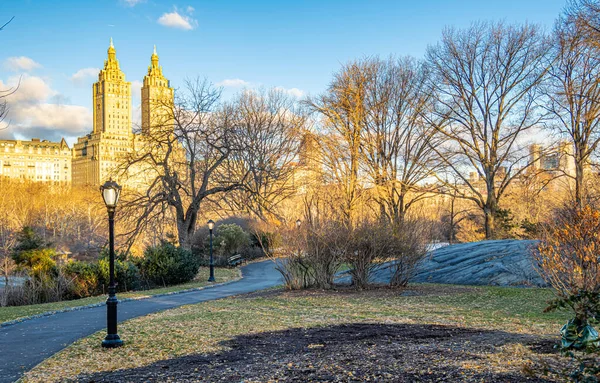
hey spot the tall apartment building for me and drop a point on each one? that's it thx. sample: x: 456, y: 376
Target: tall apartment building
x: 98, y: 155
x: 36, y: 160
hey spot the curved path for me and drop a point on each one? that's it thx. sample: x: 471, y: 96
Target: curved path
x: 24, y: 345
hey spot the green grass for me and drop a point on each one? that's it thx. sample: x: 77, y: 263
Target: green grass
x: 199, y: 328
x: 17, y: 312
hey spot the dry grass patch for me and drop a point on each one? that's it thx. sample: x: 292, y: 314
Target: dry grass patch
x: 200, y: 328
x: 17, y: 312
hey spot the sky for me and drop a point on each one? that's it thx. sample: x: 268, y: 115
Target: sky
x: 55, y: 48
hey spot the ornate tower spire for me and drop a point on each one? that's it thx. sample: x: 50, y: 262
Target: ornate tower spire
x: 112, y: 63
x: 112, y: 98
x: 157, y: 98
x: 154, y: 64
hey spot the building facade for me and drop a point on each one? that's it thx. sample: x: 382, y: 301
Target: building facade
x: 36, y: 160
x: 101, y: 154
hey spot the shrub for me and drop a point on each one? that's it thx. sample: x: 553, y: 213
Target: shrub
x: 38, y: 262
x: 313, y: 254
x: 127, y: 273
x: 84, y: 279
x: 408, y: 246
x: 325, y: 247
x: 568, y: 260
x: 368, y: 245
x: 28, y: 239
x: 231, y: 239
x: 166, y: 265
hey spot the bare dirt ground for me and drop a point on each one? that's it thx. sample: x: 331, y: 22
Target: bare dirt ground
x: 352, y: 353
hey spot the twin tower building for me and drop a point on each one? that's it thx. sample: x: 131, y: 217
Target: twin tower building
x: 98, y: 154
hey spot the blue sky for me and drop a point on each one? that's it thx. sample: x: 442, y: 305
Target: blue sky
x: 55, y: 47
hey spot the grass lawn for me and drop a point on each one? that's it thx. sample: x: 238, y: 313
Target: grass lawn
x: 468, y: 330
x: 16, y: 312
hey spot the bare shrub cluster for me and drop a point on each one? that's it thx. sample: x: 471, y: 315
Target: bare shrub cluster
x: 569, y: 261
x: 313, y: 253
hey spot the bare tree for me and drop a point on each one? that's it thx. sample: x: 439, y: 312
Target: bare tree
x: 7, y: 242
x: 486, y: 81
x: 181, y: 159
x: 343, y: 118
x: 199, y: 148
x: 5, y: 93
x: 573, y: 91
x: 271, y: 122
x: 585, y: 14
x: 397, y: 144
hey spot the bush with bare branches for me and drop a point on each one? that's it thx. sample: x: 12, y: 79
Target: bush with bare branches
x: 314, y: 252
x: 408, y: 248
x: 568, y: 260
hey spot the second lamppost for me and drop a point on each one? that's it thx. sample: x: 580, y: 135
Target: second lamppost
x: 110, y: 193
x: 211, y: 226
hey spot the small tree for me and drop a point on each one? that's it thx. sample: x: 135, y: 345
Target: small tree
x: 569, y: 261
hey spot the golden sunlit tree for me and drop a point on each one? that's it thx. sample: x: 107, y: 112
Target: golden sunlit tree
x: 573, y: 91
x: 486, y: 79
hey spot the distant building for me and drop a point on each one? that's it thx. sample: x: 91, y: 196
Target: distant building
x: 557, y: 159
x: 36, y: 160
x: 98, y: 155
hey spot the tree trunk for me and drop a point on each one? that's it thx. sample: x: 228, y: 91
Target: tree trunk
x: 579, y: 183
x: 185, y: 231
x: 451, y: 239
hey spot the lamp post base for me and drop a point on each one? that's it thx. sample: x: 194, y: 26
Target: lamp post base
x: 112, y: 341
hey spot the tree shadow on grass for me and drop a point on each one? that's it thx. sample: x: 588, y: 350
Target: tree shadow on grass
x: 356, y: 352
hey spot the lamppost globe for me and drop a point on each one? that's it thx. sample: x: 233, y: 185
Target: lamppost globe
x: 298, y: 223
x: 111, y: 191
x: 211, y: 224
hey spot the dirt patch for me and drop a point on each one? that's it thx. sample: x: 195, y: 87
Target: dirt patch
x: 355, y: 353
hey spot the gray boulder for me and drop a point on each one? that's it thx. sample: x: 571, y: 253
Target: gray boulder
x: 485, y: 263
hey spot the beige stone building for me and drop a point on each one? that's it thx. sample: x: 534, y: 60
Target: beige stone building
x: 101, y: 154
x: 36, y: 160
x: 554, y: 159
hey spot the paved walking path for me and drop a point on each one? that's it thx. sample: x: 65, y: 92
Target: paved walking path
x: 25, y: 344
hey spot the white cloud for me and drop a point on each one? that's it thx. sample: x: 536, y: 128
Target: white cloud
x: 136, y: 86
x: 136, y: 116
x: 190, y: 9
x: 176, y: 20
x: 82, y: 76
x: 233, y: 83
x: 136, y: 91
x: 292, y: 91
x: 36, y: 110
x: 21, y: 63
x: 27, y: 89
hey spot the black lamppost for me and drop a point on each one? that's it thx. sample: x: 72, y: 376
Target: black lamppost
x: 211, y: 225
x: 298, y: 224
x: 110, y: 193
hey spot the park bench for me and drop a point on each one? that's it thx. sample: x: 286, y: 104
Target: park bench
x: 235, y: 260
